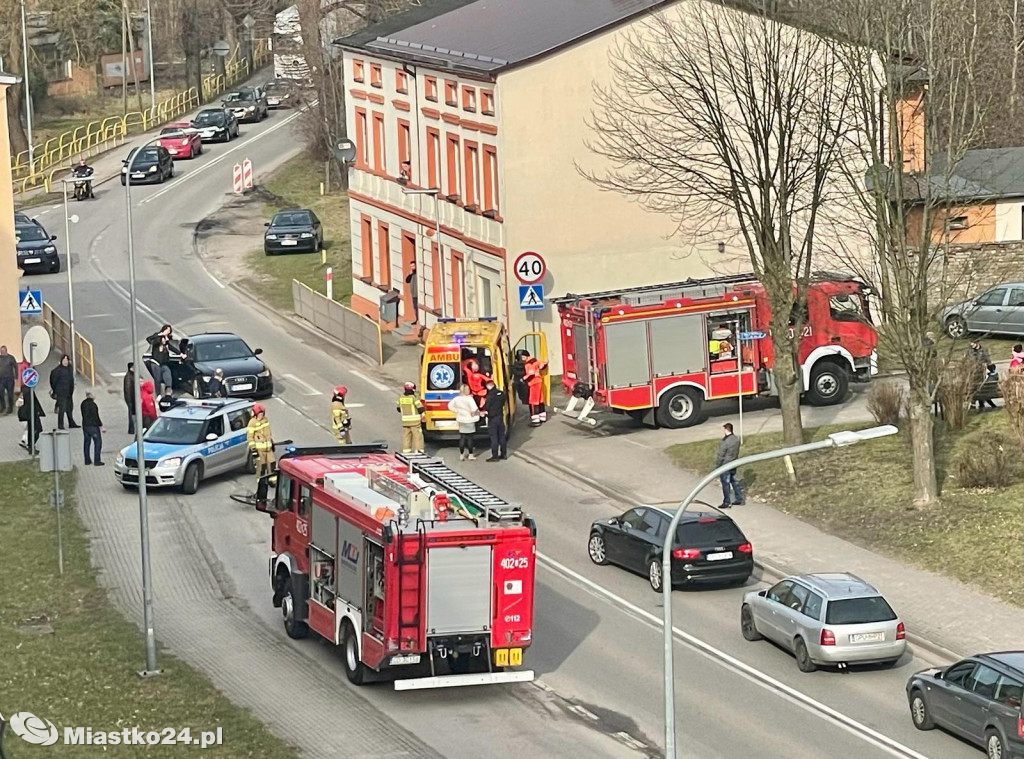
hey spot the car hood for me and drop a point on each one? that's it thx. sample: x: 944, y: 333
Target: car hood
x: 156, y: 451
x: 232, y: 368
x: 29, y: 246
x: 210, y: 126
x: 143, y: 164
x: 290, y: 229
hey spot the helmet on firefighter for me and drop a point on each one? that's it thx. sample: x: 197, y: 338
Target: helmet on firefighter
x: 341, y: 390
x: 258, y: 408
x: 410, y: 386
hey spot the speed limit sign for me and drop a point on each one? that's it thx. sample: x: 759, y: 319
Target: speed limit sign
x: 530, y: 268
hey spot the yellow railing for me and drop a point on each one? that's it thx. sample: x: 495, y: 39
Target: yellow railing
x: 58, y: 153
x: 60, y: 336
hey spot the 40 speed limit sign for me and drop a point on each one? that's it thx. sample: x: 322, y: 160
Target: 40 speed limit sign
x: 530, y: 268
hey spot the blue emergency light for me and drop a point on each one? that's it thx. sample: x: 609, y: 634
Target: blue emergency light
x: 460, y: 338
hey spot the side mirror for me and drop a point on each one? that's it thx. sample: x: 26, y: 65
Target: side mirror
x: 939, y: 675
x: 53, y: 238
x: 264, y: 506
x: 257, y: 352
x: 266, y: 223
x: 615, y: 521
x: 763, y: 593
x: 211, y: 436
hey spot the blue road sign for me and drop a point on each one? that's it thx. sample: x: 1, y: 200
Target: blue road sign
x: 29, y: 377
x: 531, y: 297
x: 753, y: 335
x: 31, y: 302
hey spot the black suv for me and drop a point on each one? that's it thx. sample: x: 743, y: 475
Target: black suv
x: 978, y: 698
x: 709, y: 547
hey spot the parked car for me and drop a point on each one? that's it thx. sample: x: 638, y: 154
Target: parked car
x: 247, y: 104
x: 825, y: 619
x: 978, y: 698
x: 154, y: 164
x: 36, y: 251
x: 24, y: 218
x: 181, y: 140
x: 216, y: 125
x: 281, y: 93
x: 998, y: 311
x: 194, y: 361
x: 295, y: 231
x: 189, y: 443
x: 709, y: 547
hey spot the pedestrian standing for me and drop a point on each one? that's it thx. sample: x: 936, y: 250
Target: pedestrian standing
x: 414, y: 292
x: 467, y: 414
x: 129, y: 396
x: 216, y: 386
x: 411, y: 409
x: 62, y: 390
x: 532, y: 369
x: 988, y: 388
x: 729, y: 450
x: 260, y: 439
x: 160, y: 358
x: 8, y: 372
x: 33, y: 421
x: 92, y: 430
x: 495, y: 403
x: 148, y: 405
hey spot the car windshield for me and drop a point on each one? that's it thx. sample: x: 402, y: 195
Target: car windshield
x: 273, y: 86
x: 171, y: 132
x: 210, y: 117
x: 856, y: 611
x: 711, y: 532
x: 222, y: 350
x: 148, y: 155
x: 175, y: 430
x: 30, y: 234
x: 297, y: 219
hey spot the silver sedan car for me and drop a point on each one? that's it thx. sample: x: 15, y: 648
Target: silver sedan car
x: 831, y: 619
x: 999, y: 311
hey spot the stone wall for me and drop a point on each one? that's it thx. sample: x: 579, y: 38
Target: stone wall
x: 979, y: 266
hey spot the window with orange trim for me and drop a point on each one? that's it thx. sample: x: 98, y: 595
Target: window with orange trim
x: 404, y: 148
x: 379, y: 148
x: 361, y: 137
x: 433, y: 158
x: 430, y: 88
x: 401, y: 81
x: 451, y: 93
x: 435, y: 275
x: 376, y: 75
x: 469, y: 99
x: 453, y: 165
x: 366, y: 243
x: 357, y: 71
x: 486, y: 103
x: 490, y: 183
x: 384, y: 253
x: 472, y: 170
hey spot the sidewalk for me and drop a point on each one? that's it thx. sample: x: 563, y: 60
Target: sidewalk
x: 941, y: 613
x: 197, y: 617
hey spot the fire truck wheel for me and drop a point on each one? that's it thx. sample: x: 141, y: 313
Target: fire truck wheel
x: 829, y: 384
x: 295, y: 628
x: 679, y: 407
x: 355, y: 670
x: 190, y: 483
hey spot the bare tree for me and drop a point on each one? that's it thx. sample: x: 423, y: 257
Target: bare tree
x: 724, y: 119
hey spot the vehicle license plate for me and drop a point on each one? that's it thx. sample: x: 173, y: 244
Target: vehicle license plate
x: 138, y: 175
x: 275, y: 101
x: 133, y: 472
x: 172, y: 151
x: 33, y: 260
x: 719, y: 556
x: 406, y: 659
x: 867, y: 637
x: 446, y: 424
x: 246, y: 386
x: 289, y: 242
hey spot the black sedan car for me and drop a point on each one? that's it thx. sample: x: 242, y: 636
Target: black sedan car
x: 153, y: 164
x: 978, y: 699
x: 194, y: 360
x: 247, y: 104
x: 36, y: 251
x: 216, y: 125
x: 709, y: 547
x: 296, y: 231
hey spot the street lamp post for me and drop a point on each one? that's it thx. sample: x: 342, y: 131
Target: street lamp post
x: 152, y: 67
x: 835, y: 440
x: 436, y: 192
x: 71, y: 295
x: 28, y: 89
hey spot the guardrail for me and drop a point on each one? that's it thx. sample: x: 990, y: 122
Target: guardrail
x: 57, y: 153
x: 60, y: 336
x: 340, y: 322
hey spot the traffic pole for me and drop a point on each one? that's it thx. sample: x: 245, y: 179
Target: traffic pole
x: 32, y: 421
x: 330, y: 283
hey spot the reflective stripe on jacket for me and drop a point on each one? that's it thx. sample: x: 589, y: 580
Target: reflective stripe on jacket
x: 258, y: 435
x: 339, y: 416
x: 410, y: 408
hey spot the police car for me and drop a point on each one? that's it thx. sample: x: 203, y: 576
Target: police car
x: 188, y: 443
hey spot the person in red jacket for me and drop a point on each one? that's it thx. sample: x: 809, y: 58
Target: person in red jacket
x: 148, y: 404
x: 476, y: 380
x: 535, y: 384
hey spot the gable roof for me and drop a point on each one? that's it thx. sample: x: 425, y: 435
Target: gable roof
x: 981, y: 175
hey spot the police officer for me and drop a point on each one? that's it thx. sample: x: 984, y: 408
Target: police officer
x: 411, y: 409
x: 341, y: 422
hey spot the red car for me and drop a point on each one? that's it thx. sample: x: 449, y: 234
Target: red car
x: 181, y: 143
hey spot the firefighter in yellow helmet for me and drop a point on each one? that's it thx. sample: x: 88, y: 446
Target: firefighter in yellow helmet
x: 261, y: 445
x: 341, y: 422
x: 411, y: 409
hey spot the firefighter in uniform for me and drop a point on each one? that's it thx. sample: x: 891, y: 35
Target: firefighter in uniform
x: 535, y: 385
x: 341, y: 422
x: 411, y: 409
x: 261, y: 447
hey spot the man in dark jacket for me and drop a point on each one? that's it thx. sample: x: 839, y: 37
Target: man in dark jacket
x: 160, y: 362
x: 62, y: 389
x: 494, y: 408
x: 8, y: 372
x: 729, y: 450
x: 216, y: 385
x: 31, y: 412
x: 129, y: 396
x: 92, y: 429
x: 518, y: 379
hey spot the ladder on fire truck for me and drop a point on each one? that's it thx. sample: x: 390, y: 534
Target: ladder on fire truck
x: 433, y: 470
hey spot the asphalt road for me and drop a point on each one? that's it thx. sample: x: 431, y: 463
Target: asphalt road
x: 598, y: 645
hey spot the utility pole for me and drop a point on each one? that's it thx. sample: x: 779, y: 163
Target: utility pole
x: 28, y: 88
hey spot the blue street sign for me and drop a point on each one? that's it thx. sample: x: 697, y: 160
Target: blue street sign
x: 753, y: 335
x: 31, y: 302
x: 29, y: 377
x: 531, y: 297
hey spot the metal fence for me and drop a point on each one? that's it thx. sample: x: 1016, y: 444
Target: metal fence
x: 60, y: 336
x: 340, y: 322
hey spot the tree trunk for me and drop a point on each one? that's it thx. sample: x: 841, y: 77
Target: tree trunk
x: 788, y: 383
x: 192, y: 46
x: 15, y: 105
x: 926, y: 489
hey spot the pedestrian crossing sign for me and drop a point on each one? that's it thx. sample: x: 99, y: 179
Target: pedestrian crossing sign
x: 531, y: 297
x: 31, y: 302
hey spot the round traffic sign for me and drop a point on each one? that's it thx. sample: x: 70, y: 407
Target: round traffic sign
x: 530, y: 268
x: 221, y: 48
x: 29, y: 377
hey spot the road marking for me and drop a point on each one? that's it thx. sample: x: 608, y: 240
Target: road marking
x: 301, y: 413
x: 311, y: 390
x: 364, y: 378
x: 633, y: 442
x: 118, y: 374
x: 769, y: 683
x: 243, y: 145
x: 95, y: 316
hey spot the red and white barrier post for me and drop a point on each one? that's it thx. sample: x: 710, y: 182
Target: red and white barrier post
x: 330, y: 283
x: 237, y: 179
x: 247, y: 174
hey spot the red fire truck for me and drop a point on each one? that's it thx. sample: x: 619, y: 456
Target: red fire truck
x: 659, y: 352
x: 415, y: 571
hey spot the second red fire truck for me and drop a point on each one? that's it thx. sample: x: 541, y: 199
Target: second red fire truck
x: 415, y: 571
x: 659, y: 352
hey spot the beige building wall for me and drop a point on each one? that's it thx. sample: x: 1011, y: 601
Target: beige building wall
x: 10, y: 315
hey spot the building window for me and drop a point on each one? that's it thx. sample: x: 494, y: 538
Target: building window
x: 451, y: 93
x: 384, y: 253
x: 472, y: 170
x: 453, y: 166
x: 490, y: 179
x: 361, y: 136
x: 486, y: 103
x: 956, y: 222
x: 433, y: 158
x: 401, y: 81
x: 404, y: 147
x: 379, y: 154
x: 430, y: 88
x: 469, y: 99
x: 366, y: 244
x: 376, y: 75
x: 457, y: 282
x: 357, y: 71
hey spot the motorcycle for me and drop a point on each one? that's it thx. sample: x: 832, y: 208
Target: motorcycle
x: 83, y: 184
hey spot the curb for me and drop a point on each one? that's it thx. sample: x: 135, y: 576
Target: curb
x: 773, y: 570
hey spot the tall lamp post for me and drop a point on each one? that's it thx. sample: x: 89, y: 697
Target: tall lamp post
x: 28, y: 89
x: 152, y: 67
x: 835, y: 440
x: 436, y: 192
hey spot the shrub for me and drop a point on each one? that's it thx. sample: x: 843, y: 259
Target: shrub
x: 887, y: 402
x: 960, y: 379
x: 987, y: 460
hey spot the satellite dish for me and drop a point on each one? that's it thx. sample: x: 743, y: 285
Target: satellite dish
x: 41, y: 338
x: 344, y: 150
x: 221, y: 48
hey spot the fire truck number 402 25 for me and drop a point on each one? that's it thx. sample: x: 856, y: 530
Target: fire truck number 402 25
x: 515, y: 562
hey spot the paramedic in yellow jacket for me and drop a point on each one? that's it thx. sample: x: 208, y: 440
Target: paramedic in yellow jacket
x: 341, y: 422
x: 411, y: 409
x: 258, y: 435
